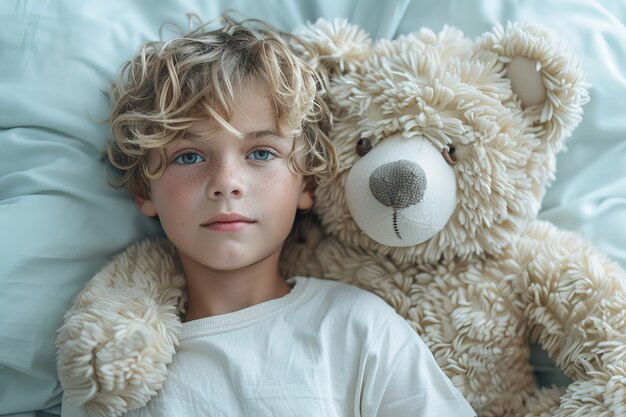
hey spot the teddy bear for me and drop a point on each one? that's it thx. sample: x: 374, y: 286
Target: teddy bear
x: 446, y: 146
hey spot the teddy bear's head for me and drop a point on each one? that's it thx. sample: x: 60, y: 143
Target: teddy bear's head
x: 446, y: 145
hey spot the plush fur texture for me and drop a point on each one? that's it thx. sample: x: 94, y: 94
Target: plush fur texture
x: 489, y: 282
x: 122, y: 331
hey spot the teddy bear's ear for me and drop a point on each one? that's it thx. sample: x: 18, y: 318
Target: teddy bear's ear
x: 331, y: 48
x: 545, y: 76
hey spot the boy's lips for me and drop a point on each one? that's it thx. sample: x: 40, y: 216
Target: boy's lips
x: 227, y: 222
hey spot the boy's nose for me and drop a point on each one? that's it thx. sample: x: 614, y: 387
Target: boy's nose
x: 224, y: 183
x: 219, y: 194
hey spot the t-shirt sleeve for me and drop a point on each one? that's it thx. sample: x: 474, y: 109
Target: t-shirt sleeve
x: 402, y: 378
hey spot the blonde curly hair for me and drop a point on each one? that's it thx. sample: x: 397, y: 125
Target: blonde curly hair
x: 169, y: 85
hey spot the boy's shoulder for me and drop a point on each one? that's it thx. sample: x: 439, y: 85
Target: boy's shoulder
x: 351, y: 301
x: 344, y: 291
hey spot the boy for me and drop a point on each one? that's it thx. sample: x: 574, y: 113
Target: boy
x: 218, y: 133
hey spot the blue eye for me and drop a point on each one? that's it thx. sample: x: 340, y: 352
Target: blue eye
x: 261, y: 155
x: 188, y: 158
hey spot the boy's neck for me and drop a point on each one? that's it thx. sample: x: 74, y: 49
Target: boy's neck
x: 213, y: 292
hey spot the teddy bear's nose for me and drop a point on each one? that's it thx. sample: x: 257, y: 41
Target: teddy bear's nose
x: 398, y: 184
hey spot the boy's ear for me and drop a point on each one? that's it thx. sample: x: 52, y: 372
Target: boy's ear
x: 305, y: 202
x: 145, y: 206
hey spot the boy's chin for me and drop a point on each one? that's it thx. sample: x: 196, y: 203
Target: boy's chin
x: 227, y: 261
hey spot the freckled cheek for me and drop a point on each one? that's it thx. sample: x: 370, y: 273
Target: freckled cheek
x: 278, y: 182
x: 279, y: 192
x: 174, y: 196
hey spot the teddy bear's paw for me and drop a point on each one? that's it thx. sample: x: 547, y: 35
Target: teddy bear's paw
x: 122, y: 331
x: 602, y: 395
x: 114, y: 360
x: 332, y: 47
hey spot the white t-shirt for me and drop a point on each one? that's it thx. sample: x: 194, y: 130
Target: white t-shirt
x: 324, y: 349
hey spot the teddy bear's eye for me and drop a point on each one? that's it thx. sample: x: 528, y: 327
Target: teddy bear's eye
x: 363, y: 146
x: 449, y: 155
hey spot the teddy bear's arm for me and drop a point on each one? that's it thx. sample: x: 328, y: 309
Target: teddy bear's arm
x: 576, y: 307
x: 120, y: 333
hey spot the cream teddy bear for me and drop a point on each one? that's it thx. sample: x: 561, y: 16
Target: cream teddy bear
x: 446, y: 146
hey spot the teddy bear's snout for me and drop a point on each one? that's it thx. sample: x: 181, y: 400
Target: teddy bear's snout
x: 398, y: 184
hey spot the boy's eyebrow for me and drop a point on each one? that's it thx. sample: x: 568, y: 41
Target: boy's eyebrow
x: 259, y: 134
x: 255, y: 134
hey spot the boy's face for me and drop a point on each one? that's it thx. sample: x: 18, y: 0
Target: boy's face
x: 227, y: 203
